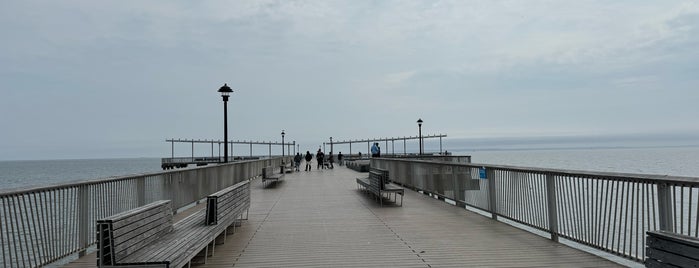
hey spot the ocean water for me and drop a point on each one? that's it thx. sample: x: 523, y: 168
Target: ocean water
x: 16, y: 174
x: 673, y: 161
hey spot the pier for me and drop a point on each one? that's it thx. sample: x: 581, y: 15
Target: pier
x: 320, y: 219
x: 454, y: 213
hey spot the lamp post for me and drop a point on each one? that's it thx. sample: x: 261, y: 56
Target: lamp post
x: 283, y: 146
x: 419, y: 125
x: 331, y: 144
x: 225, y: 92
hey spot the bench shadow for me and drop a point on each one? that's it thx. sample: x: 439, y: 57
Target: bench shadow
x: 272, y: 184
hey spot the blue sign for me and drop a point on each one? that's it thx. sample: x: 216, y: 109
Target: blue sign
x: 481, y: 173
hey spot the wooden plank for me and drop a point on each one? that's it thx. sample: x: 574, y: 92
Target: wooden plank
x: 126, y: 214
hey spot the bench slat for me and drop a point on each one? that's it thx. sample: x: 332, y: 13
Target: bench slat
x: 666, y: 248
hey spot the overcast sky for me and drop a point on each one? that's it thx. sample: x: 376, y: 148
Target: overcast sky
x: 93, y: 79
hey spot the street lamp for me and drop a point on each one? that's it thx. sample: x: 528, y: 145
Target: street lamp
x: 225, y: 92
x: 283, y: 146
x: 419, y: 125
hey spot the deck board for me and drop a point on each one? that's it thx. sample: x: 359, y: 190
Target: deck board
x: 320, y: 219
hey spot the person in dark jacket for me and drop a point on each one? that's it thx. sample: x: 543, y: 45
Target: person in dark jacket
x: 319, y: 158
x: 297, y: 162
x: 309, y: 157
x: 331, y: 159
x: 339, y: 158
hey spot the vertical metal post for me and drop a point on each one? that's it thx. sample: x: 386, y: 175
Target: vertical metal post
x: 552, y: 206
x: 83, y: 219
x: 141, y: 191
x: 665, y: 213
x: 212, y: 149
x: 393, y: 147
x: 440, y: 144
x: 420, y: 137
x: 251, y: 149
x: 492, y: 200
x: 350, y: 149
x: 172, y: 150
x: 368, y: 151
x: 404, y: 151
x: 192, y: 149
x: 386, y: 145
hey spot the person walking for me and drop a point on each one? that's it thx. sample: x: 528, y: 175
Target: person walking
x: 331, y: 159
x: 309, y: 157
x: 339, y: 158
x: 297, y: 161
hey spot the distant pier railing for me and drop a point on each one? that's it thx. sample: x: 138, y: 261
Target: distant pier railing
x: 606, y: 211
x: 183, y: 162
x: 42, y: 225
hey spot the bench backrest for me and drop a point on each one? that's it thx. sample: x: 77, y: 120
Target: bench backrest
x: 666, y: 249
x: 227, y: 203
x: 267, y: 171
x: 379, y: 177
x: 125, y: 233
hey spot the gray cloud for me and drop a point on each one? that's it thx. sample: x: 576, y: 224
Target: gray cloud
x: 88, y: 79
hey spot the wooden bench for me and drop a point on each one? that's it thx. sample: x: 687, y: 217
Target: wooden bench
x: 666, y: 249
x: 378, y: 184
x: 286, y: 168
x: 269, y: 175
x: 146, y: 236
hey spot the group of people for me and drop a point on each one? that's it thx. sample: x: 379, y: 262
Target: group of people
x: 320, y: 158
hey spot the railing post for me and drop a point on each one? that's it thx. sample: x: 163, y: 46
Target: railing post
x: 141, y: 190
x: 665, y: 215
x: 83, y: 219
x: 551, y: 206
x: 490, y: 175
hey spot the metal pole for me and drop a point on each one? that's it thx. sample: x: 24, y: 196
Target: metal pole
x: 251, y: 149
x: 665, y: 204
x: 404, y: 151
x: 225, y: 131
x: 192, y: 150
x: 270, y: 151
x: 172, y: 152
x: 552, y: 209
x: 420, y: 137
x: 212, y: 149
x: 440, y: 144
x: 350, y: 149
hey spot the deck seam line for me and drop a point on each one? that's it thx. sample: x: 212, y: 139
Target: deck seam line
x: 397, y: 235
x: 256, y: 230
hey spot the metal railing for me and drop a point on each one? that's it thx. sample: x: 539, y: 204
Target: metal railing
x: 607, y: 211
x: 41, y: 225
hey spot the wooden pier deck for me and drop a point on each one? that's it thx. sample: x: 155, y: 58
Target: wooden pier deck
x: 320, y: 219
